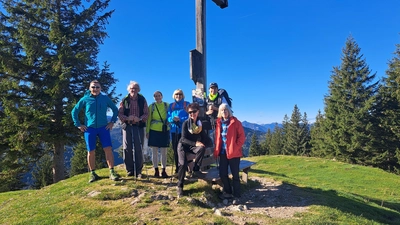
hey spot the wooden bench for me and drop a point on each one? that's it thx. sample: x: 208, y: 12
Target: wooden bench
x: 209, y: 166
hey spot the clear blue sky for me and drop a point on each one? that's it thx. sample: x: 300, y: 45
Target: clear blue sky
x: 269, y: 55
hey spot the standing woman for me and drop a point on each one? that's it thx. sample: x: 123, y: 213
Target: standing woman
x: 176, y: 116
x: 157, y: 132
x: 229, y: 139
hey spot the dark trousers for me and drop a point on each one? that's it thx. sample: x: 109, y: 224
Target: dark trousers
x: 175, y: 140
x: 132, y: 138
x: 223, y: 173
x: 182, y: 162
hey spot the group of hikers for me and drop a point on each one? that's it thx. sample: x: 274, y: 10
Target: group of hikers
x: 160, y: 122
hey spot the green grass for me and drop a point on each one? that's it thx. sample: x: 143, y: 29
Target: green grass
x: 341, y: 194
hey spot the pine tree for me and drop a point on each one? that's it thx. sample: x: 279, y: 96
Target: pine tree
x: 255, y: 148
x: 277, y: 141
x: 348, y: 124
x: 297, y: 135
x: 317, y: 137
x: 387, y: 134
x: 48, y: 58
x: 266, y: 144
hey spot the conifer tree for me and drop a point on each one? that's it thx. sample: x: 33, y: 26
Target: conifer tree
x: 266, y: 144
x: 277, y: 141
x: 255, y: 148
x: 297, y: 135
x: 347, y: 126
x: 48, y: 57
x: 387, y: 133
x: 317, y: 137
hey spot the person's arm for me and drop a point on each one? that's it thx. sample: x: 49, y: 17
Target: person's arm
x: 145, y: 115
x: 75, y: 112
x: 121, y: 114
x: 114, y: 110
x: 241, y: 136
x: 149, y: 119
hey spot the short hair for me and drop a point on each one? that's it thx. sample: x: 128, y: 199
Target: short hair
x: 194, y: 106
x: 133, y: 83
x: 176, y: 92
x: 157, y: 92
x: 224, y: 106
x: 94, y: 82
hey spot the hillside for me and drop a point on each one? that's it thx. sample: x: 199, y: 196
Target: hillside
x: 319, y: 191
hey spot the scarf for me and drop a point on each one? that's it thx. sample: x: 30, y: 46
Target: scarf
x: 212, y: 97
x: 195, y: 128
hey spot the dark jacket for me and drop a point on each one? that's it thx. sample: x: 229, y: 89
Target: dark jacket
x: 189, y: 139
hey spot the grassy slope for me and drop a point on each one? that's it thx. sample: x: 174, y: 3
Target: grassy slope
x: 342, y: 193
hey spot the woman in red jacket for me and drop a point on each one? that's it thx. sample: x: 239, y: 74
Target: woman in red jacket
x: 229, y: 139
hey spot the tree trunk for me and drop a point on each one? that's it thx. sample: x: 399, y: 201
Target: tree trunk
x: 58, y: 162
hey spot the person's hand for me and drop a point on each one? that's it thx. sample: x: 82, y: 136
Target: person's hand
x: 136, y: 119
x: 82, y: 128
x: 130, y: 118
x: 147, y: 135
x: 176, y: 119
x: 198, y: 143
x: 109, y: 126
x: 209, y: 112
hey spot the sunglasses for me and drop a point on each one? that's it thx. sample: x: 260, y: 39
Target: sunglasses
x: 179, y: 94
x: 95, y: 87
x: 194, y: 111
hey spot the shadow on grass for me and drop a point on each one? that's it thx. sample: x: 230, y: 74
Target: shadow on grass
x: 266, y: 172
x: 288, y: 195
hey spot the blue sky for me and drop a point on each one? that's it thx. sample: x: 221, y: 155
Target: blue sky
x: 269, y: 55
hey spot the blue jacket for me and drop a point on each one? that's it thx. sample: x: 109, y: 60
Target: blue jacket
x: 177, y: 109
x: 95, y: 110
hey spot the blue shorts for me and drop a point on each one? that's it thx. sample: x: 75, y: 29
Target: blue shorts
x: 91, y: 137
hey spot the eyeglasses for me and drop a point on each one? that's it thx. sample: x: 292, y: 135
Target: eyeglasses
x: 194, y: 111
x: 95, y: 87
x: 179, y: 94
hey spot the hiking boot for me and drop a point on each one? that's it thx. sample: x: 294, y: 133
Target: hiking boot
x: 130, y: 174
x: 225, y: 195
x: 93, y: 177
x: 164, y: 174
x: 156, y: 172
x: 180, y: 192
x: 114, y: 176
x: 236, y: 201
x: 199, y: 174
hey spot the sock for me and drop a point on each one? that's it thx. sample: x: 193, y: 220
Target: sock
x: 92, y: 171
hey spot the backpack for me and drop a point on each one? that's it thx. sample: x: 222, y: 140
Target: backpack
x: 224, y: 93
x: 173, y: 105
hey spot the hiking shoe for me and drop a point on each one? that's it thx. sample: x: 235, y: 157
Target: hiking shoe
x: 236, y: 201
x: 225, y: 195
x: 180, y: 192
x: 114, y: 176
x: 164, y: 174
x: 130, y: 174
x: 199, y: 174
x: 93, y: 177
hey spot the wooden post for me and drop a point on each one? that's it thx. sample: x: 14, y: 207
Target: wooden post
x: 201, y: 78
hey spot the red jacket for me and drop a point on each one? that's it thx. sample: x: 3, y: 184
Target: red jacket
x: 234, y: 140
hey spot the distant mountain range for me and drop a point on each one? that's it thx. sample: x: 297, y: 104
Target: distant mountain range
x: 260, y: 127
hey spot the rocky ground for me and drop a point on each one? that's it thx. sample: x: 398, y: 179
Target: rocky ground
x: 268, y: 198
